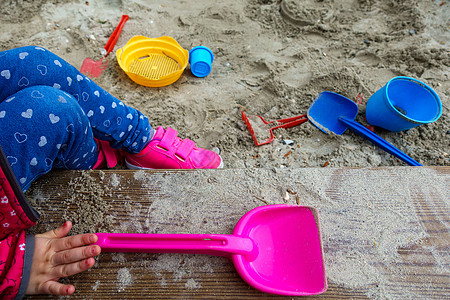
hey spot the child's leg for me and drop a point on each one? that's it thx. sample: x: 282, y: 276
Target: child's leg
x: 41, y: 127
x: 110, y: 119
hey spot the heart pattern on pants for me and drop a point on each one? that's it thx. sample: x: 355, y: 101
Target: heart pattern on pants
x: 50, y: 112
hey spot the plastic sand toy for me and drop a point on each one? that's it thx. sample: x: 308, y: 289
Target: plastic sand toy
x: 153, y: 62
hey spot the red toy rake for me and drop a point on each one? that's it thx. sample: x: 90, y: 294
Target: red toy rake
x: 282, y: 123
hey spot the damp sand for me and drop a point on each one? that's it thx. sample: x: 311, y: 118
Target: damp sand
x: 124, y: 279
x: 85, y: 205
x: 272, y: 58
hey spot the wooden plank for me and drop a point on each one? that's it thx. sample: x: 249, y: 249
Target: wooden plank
x: 385, y: 230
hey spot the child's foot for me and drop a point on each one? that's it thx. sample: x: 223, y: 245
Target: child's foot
x: 167, y: 151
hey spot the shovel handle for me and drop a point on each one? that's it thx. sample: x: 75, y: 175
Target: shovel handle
x: 383, y: 144
x: 115, y: 35
x: 291, y: 122
x: 211, y: 244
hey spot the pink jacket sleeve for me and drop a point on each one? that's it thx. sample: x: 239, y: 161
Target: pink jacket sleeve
x: 16, y: 248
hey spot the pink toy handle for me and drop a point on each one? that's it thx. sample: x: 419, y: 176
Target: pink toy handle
x: 211, y: 244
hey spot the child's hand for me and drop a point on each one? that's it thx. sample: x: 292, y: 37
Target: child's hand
x: 56, y: 256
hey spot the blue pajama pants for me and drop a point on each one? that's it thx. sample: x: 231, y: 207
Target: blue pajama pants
x: 50, y: 114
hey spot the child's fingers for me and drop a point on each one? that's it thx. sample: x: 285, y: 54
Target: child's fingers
x: 59, y: 232
x: 56, y: 288
x: 74, y: 255
x: 73, y: 268
x: 74, y: 241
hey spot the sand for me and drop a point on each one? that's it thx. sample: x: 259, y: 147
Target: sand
x: 272, y: 58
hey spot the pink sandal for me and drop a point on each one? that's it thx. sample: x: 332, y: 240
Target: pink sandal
x: 167, y: 151
x: 107, y: 156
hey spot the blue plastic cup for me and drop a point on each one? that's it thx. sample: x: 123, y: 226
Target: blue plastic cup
x: 201, y: 58
x: 403, y: 103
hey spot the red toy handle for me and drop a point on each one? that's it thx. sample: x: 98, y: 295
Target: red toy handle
x: 290, y: 122
x: 115, y: 35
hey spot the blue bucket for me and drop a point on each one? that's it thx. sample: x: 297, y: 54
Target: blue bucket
x: 201, y: 58
x: 403, y: 103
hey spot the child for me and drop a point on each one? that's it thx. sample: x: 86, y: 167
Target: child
x: 52, y: 116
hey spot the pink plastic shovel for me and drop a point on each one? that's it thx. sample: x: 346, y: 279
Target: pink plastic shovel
x: 275, y: 248
x: 94, y: 68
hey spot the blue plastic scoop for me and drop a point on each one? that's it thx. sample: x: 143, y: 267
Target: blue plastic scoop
x: 335, y: 113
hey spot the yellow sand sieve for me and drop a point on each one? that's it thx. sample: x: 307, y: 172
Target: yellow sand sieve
x: 153, y: 62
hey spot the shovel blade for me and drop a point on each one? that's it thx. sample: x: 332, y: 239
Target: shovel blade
x: 93, y: 68
x: 289, y: 259
x: 326, y: 110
